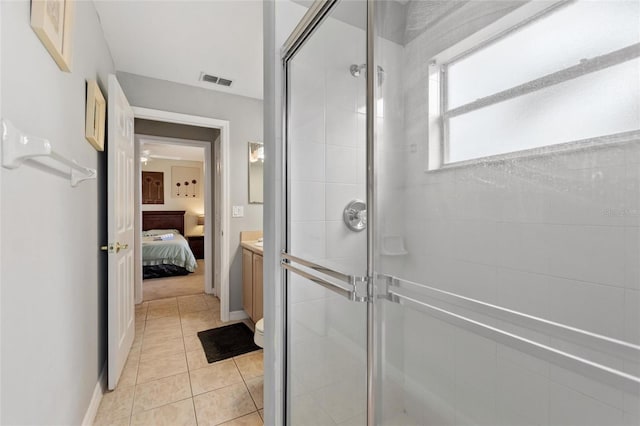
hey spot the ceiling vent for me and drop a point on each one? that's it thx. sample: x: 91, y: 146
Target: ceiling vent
x: 215, y: 80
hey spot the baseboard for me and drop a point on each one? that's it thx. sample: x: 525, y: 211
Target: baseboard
x: 98, y: 391
x: 237, y: 315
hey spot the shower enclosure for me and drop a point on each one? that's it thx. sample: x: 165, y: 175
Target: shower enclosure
x: 463, y: 213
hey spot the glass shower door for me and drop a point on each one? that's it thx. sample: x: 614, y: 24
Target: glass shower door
x: 325, y: 260
x: 507, y: 213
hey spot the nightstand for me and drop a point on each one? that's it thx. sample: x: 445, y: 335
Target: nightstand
x: 196, y: 242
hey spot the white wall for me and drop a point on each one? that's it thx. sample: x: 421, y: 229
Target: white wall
x: 245, y: 117
x: 53, y: 323
x: 192, y: 206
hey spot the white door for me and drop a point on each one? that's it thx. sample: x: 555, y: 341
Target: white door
x: 120, y: 209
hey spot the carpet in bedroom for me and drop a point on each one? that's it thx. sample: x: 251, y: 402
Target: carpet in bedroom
x: 161, y: 288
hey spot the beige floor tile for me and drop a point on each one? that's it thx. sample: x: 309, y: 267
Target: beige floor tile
x: 171, y: 332
x: 196, y: 359
x: 163, y: 323
x: 161, y: 392
x: 160, y: 348
x: 115, y: 405
x: 193, y: 303
x: 158, y: 368
x: 179, y: 413
x: 224, y: 404
x: 261, y: 412
x: 212, y: 302
x: 250, y: 365
x: 192, y: 343
x: 154, y: 289
x: 134, y: 353
x: 192, y: 322
x: 129, y: 372
x: 162, y: 308
x: 140, y: 326
x: 162, y: 303
x: 256, y: 389
x: 141, y: 316
x: 122, y: 421
x: 214, y: 376
x: 252, y: 419
x: 137, y: 341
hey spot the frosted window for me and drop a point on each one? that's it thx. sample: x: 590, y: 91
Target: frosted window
x: 587, y: 105
x: 584, y: 29
x: 597, y: 104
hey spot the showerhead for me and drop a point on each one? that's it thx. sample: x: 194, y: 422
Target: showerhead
x: 357, y: 70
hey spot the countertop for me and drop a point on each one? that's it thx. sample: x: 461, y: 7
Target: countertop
x: 251, y: 245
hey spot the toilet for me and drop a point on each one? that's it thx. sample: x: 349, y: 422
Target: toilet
x: 258, y: 336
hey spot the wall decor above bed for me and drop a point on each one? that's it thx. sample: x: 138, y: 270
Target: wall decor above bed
x: 186, y: 182
x: 152, y: 187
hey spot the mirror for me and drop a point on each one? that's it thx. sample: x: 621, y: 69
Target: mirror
x: 256, y: 171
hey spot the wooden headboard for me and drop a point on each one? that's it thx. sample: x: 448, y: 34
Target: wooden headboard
x: 163, y: 220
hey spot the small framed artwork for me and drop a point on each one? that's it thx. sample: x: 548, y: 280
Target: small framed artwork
x: 152, y: 187
x: 52, y: 21
x: 186, y: 182
x: 95, y: 116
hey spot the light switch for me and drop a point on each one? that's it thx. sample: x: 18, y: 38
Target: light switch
x: 238, y: 211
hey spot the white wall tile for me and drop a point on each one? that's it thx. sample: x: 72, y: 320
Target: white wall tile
x: 308, y: 240
x: 522, y: 396
x: 571, y: 408
x: 340, y: 164
x: 338, y: 196
x: 342, y: 242
x: 307, y: 161
x: 632, y: 316
x: 341, y: 126
x: 307, y: 201
x: 592, y: 307
x: 588, y: 253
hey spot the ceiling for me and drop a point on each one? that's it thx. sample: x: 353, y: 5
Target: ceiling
x: 178, y: 40
x: 174, y: 152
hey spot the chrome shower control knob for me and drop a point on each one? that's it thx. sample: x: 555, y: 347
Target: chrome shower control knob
x: 355, y: 215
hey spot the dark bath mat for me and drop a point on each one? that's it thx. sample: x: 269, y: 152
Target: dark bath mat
x: 226, y: 342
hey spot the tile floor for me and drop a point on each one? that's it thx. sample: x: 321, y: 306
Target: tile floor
x: 167, y: 380
x: 182, y: 285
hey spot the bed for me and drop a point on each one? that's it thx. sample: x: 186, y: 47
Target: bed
x: 166, y: 257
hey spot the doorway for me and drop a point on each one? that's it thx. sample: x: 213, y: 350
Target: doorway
x: 216, y: 225
x: 174, y: 192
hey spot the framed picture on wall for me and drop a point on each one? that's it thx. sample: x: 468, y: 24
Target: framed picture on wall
x: 52, y: 21
x: 152, y: 187
x: 186, y: 182
x: 96, y: 113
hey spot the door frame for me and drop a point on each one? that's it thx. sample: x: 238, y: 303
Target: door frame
x: 222, y: 207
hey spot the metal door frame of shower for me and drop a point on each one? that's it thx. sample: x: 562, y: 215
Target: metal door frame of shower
x: 314, y: 17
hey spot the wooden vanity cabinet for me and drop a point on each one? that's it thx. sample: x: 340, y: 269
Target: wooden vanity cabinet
x: 247, y: 281
x: 252, y: 295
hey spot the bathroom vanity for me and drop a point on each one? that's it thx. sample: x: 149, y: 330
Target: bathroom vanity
x: 252, y: 299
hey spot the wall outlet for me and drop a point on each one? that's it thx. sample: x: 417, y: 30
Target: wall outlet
x: 238, y: 211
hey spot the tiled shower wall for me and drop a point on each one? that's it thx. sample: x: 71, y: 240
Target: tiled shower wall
x: 555, y: 236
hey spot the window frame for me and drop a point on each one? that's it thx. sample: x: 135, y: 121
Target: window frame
x: 440, y: 114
